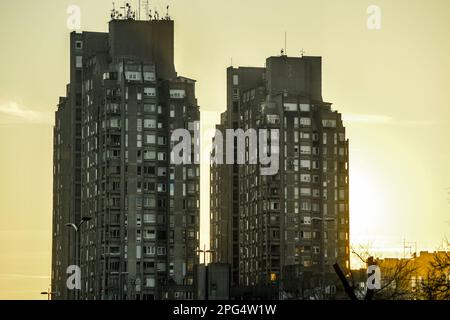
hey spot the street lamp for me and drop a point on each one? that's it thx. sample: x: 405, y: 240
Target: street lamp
x: 49, y: 293
x: 77, y: 228
x: 204, y: 251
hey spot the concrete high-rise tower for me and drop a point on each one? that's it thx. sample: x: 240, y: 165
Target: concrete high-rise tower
x: 269, y: 227
x: 112, y: 164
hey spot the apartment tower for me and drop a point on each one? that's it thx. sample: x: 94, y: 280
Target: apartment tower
x: 266, y: 225
x: 112, y: 168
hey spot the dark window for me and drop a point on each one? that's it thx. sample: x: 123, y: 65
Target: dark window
x: 235, y: 106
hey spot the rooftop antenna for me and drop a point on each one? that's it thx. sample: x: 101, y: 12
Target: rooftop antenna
x: 285, y: 42
x: 302, y: 53
x: 113, y: 11
x: 129, y: 14
x: 139, y: 10
x: 124, y: 12
x: 167, y: 13
x: 146, y: 8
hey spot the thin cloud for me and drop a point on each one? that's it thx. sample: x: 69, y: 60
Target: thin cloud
x: 11, y: 276
x: 366, y: 118
x: 383, y: 119
x: 16, y: 113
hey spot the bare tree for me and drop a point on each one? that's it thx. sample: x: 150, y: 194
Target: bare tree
x: 436, y: 285
x: 396, y: 277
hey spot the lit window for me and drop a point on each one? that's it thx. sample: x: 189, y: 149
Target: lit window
x: 78, y: 62
x: 235, y: 80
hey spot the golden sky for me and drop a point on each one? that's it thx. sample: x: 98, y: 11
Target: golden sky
x: 392, y: 85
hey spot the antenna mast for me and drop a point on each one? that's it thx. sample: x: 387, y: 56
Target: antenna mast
x: 285, y: 43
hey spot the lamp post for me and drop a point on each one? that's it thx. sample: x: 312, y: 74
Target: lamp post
x: 204, y: 251
x: 49, y: 293
x: 322, y: 247
x: 77, y: 228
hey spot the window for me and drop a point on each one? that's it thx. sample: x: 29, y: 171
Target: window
x: 150, y: 282
x: 305, y: 121
x: 304, y: 107
x: 305, y: 191
x: 235, y: 79
x: 150, y: 123
x: 304, y: 135
x: 132, y: 75
x: 149, y: 108
x: 315, y: 207
x: 305, y: 178
x: 149, y: 218
x: 114, y: 250
x: 305, y: 205
x: 315, y: 165
x: 149, y: 155
x: 305, y: 234
x: 149, y: 250
x: 161, y: 141
x: 290, y: 107
x: 274, y: 205
x: 78, y: 62
x: 149, y: 202
x: 79, y: 45
x: 149, y: 92
x: 177, y: 94
x: 139, y: 140
x: 149, y: 234
x: 161, y: 156
x: 114, y: 123
x: 150, y: 139
x: 305, y: 149
x: 315, y: 137
x: 328, y: 123
x: 162, y: 172
x: 273, y: 119
x: 306, y: 220
x: 305, y: 164
x: 161, y: 187
x: 149, y: 76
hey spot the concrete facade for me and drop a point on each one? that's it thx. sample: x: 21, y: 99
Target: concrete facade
x: 299, y: 216
x: 124, y: 100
